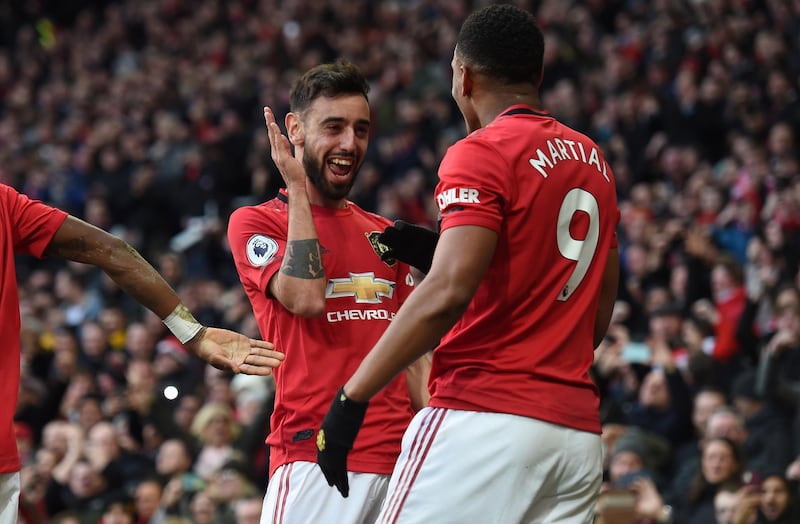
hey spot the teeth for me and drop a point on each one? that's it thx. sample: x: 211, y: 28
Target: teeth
x: 341, y: 162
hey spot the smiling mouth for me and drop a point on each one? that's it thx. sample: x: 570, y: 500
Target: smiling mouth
x: 340, y: 167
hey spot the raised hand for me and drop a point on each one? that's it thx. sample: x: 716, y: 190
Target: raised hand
x: 291, y: 169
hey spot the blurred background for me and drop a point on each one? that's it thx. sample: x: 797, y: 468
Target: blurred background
x: 144, y: 117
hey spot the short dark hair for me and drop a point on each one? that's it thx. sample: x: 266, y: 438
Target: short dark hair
x: 504, y: 42
x: 333, y: 79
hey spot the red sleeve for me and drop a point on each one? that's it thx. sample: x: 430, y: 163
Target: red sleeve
x: 33, y: 223
x: 473, y: 188
x: 257, y: 244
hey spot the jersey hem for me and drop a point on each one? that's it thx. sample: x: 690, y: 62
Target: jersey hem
x: 560, y: 418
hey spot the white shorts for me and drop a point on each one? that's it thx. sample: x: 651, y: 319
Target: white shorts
x: 9, y: 498
x: 299, y: 494
x: 465, y: 466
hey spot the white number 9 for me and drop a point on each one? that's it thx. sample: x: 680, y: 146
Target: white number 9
x: 581, y: 251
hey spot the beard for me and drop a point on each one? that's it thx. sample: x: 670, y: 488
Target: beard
x: 316, y: 173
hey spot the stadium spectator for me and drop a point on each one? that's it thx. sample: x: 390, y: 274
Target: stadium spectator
x: 720, y: 463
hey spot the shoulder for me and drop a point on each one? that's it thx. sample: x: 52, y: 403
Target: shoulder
x: 8, y: 192
x: 266, y: 211
x: 373, y: 218
x: 476, y: 150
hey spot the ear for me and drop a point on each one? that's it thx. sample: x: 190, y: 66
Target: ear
x: 294, y: 129
x: 466, y: 81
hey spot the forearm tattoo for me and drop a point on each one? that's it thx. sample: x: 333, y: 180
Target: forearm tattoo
x: 303, y: 259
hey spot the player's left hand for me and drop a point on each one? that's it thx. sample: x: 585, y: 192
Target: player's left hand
x: 231, y: 351
x: 335, y: 439
x: 409, y: 243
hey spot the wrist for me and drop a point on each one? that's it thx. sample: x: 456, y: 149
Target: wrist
x: 349, y: 402
x: 343, y: 420
x: 182, y: 324
x: 353, y: 395
x: 296, y: 190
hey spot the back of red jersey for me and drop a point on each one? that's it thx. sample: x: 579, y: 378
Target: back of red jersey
x: 525, y: 343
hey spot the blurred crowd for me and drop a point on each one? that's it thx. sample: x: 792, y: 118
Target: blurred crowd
x: 144, y: 118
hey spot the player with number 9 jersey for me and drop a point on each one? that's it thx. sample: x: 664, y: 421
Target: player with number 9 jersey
x: 520, y: 291
x: 550, y: 196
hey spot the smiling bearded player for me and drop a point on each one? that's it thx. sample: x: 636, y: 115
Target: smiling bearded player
x: 310, y: 262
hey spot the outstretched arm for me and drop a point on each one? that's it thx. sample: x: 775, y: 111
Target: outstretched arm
x: 82, y: 242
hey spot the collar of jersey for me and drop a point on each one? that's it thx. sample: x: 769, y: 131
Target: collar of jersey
x: 522, y: 109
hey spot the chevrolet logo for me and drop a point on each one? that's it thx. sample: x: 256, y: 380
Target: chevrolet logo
x: 363, y: 286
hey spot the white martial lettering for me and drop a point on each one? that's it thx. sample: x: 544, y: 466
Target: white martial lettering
x: 562, y: 148
x: 595, y: 159
x: 571, y: 144
x: 559, y: 149
x: 553, y: 153
x: 539, y: 163
x: 583, y: 153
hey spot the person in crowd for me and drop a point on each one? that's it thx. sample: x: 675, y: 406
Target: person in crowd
x: 146, y: 499
x: 768, y: 444
x: 720, y: 463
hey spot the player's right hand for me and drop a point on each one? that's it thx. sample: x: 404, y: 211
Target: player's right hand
x: 290, y: 168
x: 409, y: 243
x: 335, y: 439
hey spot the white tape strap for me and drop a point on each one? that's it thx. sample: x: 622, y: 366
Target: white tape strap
x: 182, y: 324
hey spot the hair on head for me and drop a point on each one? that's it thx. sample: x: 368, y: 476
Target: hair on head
x: 504, y: 42
x: 329, y: 80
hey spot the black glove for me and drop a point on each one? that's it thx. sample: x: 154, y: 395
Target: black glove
x: 335, y: 439
x: 412, y: 244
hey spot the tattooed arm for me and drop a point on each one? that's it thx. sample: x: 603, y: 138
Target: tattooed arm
x: 82, y: 242
x: 300, y: 284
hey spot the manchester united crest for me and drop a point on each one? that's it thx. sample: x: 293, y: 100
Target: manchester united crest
x: 379, y: 248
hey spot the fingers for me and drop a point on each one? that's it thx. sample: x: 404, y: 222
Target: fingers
x: 255, y: 343
x: 261, y: 361
x: 279, y: 144
x: 259, y: 371
x: 264, y: 357
x: 328, y: 476
x: 343, y: 486
x: 337, y: 477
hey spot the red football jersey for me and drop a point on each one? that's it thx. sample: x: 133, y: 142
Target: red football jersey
x: 28, y: 227
x: 525, y: 344
x: 362, y: 296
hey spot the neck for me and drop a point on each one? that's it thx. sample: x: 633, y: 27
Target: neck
x: 498, y: 100
x: 316, y: 198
